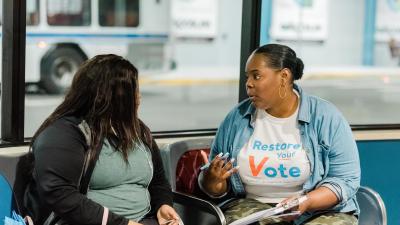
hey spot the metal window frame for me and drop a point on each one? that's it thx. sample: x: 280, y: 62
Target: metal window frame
x: 250, y: 40
x: 13, y: 72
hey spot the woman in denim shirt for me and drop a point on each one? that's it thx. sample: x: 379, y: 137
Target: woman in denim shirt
x: 283, y: 144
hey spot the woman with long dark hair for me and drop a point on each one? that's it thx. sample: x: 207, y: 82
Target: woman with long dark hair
x: 95, y: 162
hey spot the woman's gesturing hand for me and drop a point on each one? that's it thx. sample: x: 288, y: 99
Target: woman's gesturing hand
x: 217, y: 172
x: 299, y: 209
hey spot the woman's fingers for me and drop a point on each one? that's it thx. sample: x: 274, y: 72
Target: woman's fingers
x: 216, y: 160
x: 167, y: 215
x: 285, y: 201
x: 220, y: 168
x: 230, y: 172
x: 229, y: 164
x: 204, y: 156
x: 220, y: 163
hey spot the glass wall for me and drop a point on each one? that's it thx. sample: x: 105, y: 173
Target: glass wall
x: 68, y: 13
x: 188, y: 64
x: 119, y: 13
x: 347, y: 56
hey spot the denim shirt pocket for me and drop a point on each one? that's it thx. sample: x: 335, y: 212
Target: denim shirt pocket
x: 236, y: 181
x: 234, y: 151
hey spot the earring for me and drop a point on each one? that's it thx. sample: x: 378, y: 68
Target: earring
x: 280, y: 91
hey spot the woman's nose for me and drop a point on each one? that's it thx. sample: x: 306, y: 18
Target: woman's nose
x: 249, y: 84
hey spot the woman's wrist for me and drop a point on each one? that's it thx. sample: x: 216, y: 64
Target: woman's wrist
x: 305, y: 206
x: 217, y: 189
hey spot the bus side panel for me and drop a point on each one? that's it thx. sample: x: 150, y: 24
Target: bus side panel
x: 154, y: 16
x: 35, y: 50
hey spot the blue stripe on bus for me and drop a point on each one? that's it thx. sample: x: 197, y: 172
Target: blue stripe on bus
x: 155, y: 36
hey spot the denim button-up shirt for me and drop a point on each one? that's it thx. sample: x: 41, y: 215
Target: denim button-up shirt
x: 327, y: 140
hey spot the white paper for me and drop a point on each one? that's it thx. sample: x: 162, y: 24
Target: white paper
x: 258, y: 216
x: 272, y: 212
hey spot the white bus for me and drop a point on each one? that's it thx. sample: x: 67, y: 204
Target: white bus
x: 61, y: 34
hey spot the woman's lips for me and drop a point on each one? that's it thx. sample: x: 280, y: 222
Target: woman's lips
x: 252, y: 97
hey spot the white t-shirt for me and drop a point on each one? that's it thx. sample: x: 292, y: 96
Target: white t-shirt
x: 273, y: 164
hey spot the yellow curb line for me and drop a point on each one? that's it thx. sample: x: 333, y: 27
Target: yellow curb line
x: 188, y: 81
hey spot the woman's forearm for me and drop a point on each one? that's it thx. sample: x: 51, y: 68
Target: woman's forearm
x: 321, y: 198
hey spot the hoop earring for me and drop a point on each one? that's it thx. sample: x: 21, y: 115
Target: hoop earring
x: 280, y: 92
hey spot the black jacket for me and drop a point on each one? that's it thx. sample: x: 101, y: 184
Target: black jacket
x: 59, y: 157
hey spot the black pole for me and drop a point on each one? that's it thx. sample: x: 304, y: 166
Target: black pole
x: 13, y: 71
x: 251, y: 21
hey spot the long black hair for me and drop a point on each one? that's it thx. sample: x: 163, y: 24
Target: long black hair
x: 280, y: 57
x: 104, y: 92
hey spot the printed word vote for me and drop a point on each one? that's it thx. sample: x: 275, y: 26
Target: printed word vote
x: 271, y: 171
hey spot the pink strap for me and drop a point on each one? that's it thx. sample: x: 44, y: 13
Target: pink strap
x: 105, y: 216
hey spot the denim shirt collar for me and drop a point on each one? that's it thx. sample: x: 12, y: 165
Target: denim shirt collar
x: 304, y: 110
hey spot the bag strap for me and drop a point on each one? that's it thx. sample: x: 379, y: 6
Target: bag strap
x: 90, y: 161
x: 87, y: 170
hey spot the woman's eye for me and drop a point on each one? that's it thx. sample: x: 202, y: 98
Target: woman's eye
x: 257, y: 77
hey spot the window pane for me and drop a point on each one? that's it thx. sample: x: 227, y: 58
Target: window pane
x: 68, y: 12
x: 32, y: 12
x: 188, y: 74
x: 1, y: 55
x: 122, y: 13
x: 344, y: 63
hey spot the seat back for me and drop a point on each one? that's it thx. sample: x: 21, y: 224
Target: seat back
x: 187, y: 171
x: 6, y: 199
x: 182, y: 161
x: 372, y: 207
x: 9, y: 181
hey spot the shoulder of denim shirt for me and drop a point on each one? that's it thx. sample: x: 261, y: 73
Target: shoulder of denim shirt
x: 245, y: 108
x: 239, y: 111
x: 314, y: 109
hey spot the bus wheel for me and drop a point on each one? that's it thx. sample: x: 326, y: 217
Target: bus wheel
x: 58, y: 69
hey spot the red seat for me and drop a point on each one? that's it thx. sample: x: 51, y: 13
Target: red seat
x: 188, y: 170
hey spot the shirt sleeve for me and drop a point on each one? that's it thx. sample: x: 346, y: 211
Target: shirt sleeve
x: 344, y: 172
x: 159, y: 188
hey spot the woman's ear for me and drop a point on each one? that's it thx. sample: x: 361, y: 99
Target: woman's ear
x: 285, y: 74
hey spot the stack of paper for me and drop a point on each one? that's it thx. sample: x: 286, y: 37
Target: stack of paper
x: 272, y: 212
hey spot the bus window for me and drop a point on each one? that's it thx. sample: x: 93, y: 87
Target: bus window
x: 121, y: 13
x: 32, y: 12
x: 68, y: 12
